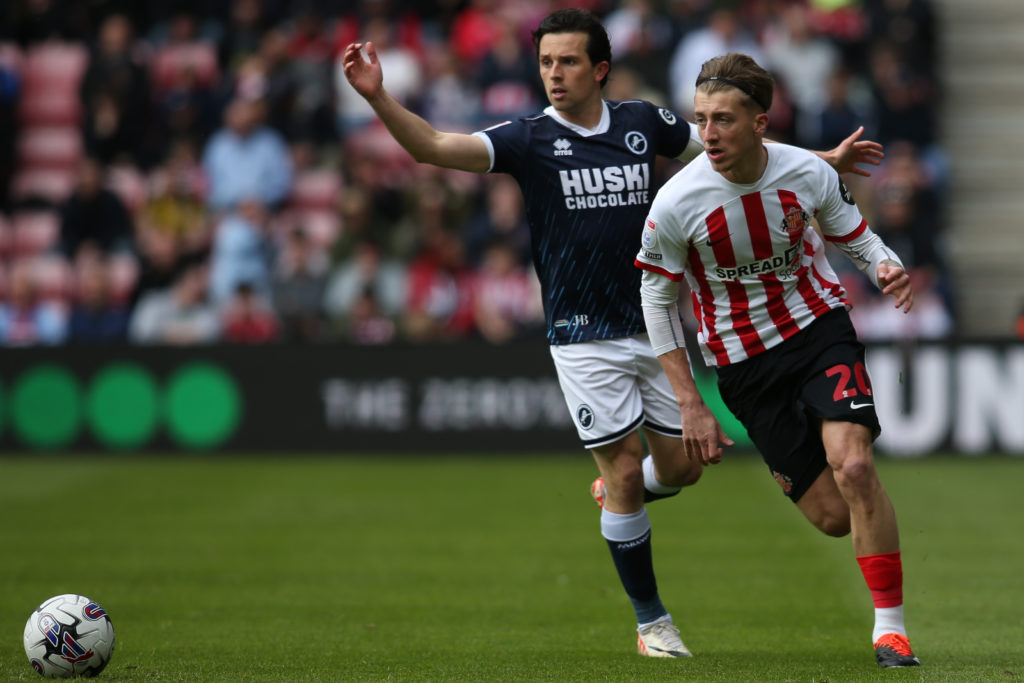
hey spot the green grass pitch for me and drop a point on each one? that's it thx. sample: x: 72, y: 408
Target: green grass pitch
x: 227, y: 568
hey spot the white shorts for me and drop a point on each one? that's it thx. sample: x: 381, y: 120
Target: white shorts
x: 615, y: 386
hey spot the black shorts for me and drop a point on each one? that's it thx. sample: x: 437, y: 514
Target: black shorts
x: 782, y: 394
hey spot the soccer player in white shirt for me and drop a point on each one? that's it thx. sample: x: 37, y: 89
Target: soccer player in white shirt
x: 736, y: 223
x: 585, y: 166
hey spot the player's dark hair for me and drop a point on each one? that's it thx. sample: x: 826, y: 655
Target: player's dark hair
x: 735, y: 70
x: 575, y: 20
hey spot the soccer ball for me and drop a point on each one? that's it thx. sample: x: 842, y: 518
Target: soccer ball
x: 69, y: 635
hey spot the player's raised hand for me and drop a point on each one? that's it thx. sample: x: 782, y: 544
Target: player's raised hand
x: 894, y: 280
x: 853, y: 151
x: 365, y: 75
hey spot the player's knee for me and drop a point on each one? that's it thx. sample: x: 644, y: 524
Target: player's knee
x: 693, y: 474
x: 856, y: 474
x: 626, y: 477
x: 680, y: 472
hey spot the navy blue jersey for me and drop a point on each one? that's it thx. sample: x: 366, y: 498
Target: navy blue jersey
x: 587, y: 195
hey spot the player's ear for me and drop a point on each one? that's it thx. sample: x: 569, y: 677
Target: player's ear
x: 761, y: 123
x: 601, y: 70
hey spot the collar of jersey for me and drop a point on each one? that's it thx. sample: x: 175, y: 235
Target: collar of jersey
x: 602, y: 126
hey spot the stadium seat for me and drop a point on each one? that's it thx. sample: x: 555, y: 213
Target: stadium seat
x: 55, y: 66
x: 56, y: 108
x: 57, y: 147
x: 51, y: 75
x: 11, y: 57
x: 196, y: 60
x: 316, y: 189
x: 50, y: 185
x: 52, y: 275
x: 34, y: 232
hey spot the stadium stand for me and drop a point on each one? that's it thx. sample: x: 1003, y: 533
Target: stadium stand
x: 351, y: 180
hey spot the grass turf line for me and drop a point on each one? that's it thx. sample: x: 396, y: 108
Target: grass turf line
x: 492, y: 568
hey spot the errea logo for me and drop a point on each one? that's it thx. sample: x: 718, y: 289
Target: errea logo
x: 562, y: 148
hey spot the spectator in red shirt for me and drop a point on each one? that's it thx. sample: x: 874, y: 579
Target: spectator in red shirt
x: 439, y: 294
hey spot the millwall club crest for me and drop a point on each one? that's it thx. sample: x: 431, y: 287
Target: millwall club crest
x: 796, y: 221
x: 636, y: 142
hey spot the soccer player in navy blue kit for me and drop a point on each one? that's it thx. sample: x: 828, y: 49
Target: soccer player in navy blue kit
x: 585, y: 166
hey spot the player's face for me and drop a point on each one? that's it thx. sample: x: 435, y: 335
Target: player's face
x: 571, y: 81
x: 732, y: 134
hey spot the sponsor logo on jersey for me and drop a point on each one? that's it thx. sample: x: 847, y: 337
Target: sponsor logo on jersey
x: 782, y: 265
x: 667, y: 116
x: 649, y: 239
x: 795, y: 221
x: 594, y: 188
x: 563, y: 148
x: 580, y: 320
x: 636, y: 142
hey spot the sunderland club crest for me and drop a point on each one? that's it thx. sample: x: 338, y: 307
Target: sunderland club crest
x: 795, y: 221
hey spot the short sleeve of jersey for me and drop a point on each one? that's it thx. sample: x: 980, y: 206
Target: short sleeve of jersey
x: 838, y: 216
x: 509, y: 141
x: 674, y: 133
x: 663, y: 243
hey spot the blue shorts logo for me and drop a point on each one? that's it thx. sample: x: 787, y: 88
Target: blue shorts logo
x: 585, y: 416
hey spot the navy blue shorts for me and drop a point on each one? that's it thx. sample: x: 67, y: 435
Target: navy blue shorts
x: 782, y: 394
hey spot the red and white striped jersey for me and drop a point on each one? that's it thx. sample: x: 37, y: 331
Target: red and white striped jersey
x: 754, y: 263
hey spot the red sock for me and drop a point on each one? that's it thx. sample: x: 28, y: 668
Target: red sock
x: 884, y: 576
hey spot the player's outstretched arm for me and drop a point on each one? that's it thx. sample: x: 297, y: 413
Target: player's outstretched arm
x: 852, y: 151
x: 894, y: 280
x: 425, y: 143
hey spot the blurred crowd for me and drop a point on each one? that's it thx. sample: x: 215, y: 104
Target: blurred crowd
x: 191, y: 172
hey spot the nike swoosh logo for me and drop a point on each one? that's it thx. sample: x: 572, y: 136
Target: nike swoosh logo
x: 856, y: 406
x: 718, y: 241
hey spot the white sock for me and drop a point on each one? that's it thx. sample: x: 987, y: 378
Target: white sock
x: 623, y: 528
x: 888, y: 620
x: 651, y: 482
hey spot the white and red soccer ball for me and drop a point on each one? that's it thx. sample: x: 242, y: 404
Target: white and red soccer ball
x: 69, y: 635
